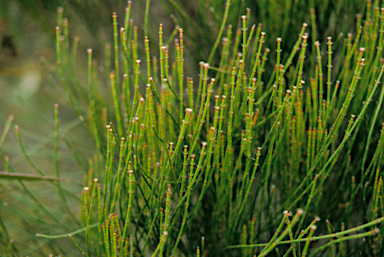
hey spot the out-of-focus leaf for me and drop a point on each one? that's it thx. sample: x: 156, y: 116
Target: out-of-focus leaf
x: 29, y: 177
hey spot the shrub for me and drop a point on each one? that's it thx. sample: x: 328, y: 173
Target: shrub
x: 242, y: 160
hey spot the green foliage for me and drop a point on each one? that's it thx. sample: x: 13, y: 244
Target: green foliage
x: 240, y: 160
